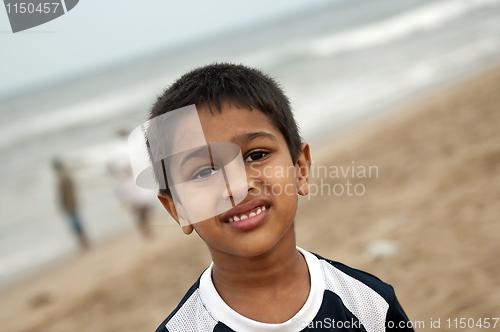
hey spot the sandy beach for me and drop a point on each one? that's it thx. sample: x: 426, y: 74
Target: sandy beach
x: 435, y: 202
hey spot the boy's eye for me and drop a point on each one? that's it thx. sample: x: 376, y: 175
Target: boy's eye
x: 256, y: 155
x: 205, y: 173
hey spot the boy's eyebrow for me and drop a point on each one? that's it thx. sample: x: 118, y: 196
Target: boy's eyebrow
x: 251, y: 136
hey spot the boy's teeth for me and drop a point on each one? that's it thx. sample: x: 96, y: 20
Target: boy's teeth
x: 252, y: 214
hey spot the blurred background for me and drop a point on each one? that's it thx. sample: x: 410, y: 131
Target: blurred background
x: 409, y: 86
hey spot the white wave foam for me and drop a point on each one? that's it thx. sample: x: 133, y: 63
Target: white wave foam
x: 338, y: 104
x: 94, y: 110
x: 423, y: 18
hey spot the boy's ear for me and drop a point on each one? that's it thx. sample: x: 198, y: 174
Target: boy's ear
x: 302, y: 168
x: 179, y: 216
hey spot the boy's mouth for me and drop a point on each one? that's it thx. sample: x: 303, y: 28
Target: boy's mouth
x: 243, y: 216
x: 247, y: 215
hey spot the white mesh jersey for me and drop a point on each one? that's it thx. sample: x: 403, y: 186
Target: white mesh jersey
x: 340, y: 298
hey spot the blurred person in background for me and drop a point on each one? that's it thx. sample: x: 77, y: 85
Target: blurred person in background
x: 68, y: 202
x: 134, y: 197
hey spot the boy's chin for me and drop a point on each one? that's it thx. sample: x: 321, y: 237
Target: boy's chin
x: 256, y: 250
x: 259, y: 246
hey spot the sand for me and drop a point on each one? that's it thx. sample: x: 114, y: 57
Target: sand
x: 435, y: 203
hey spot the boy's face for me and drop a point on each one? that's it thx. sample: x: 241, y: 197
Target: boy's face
x: 273, y: 184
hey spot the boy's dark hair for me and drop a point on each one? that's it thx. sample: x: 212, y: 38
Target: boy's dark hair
x: 214, y: 84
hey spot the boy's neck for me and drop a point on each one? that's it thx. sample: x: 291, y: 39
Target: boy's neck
x: 249, y: 284
x: 266, y: 268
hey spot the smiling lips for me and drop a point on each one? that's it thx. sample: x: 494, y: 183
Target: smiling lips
x: 253, y: 213
x: 247, y: 216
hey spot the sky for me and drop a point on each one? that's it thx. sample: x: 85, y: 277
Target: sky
x: 101, y: 32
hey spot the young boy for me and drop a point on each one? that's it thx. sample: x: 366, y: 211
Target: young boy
x: 258, y: 280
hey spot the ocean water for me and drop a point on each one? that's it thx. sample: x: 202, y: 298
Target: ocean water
x: 340, y: 64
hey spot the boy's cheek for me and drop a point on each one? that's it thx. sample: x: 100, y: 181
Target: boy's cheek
x: 256, y: 191
x: 273, y: 173
x: 291, y: 189
x: 206, y: 229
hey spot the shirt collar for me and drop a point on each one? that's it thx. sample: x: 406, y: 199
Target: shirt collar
x: 223, y: 313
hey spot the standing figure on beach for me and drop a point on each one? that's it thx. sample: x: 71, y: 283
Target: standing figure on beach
x: 139, y: 200
x: 68, y: 203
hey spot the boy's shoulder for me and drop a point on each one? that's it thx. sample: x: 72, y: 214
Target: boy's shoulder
x: 185, y: 298
x: 341, y: 272
x: 372, y: 301
x: 191, y: 315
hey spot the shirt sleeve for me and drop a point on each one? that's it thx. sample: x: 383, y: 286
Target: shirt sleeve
x: 396, y: 319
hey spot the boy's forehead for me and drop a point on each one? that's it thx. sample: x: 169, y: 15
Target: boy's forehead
x: 231, y: 122
x: 174, y: 132
x: 188, y: 133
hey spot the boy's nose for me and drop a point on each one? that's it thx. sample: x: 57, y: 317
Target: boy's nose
x: 235, y: 177
x: 238, y: 186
